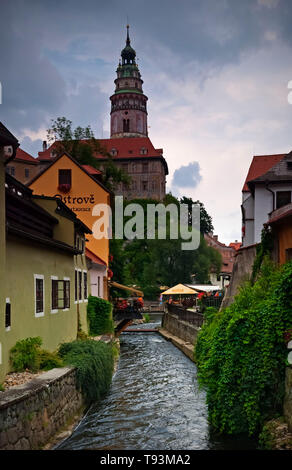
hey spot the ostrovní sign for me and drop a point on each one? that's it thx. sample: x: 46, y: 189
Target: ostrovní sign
x: 78, y: 200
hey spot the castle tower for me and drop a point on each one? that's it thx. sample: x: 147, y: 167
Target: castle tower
x: 128, y: 103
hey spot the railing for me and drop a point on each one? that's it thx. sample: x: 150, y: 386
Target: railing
x: 130, y: 313
x: 195, y: 318
x: 213, y: 301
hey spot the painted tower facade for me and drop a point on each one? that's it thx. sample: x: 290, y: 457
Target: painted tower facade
x: 128, y: 103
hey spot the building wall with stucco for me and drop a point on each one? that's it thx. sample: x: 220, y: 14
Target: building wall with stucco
x: 83, y: 196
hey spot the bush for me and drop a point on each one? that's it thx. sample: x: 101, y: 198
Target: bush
x: 241, y: 353
x: 99, y: 314
x: 146, y: 317
x: 94, y: 361
x: 49, y: 360
x: 27, y: 354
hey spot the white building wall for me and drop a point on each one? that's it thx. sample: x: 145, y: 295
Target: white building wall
x: 263, y: 205
x: 248, y: 207
x: 97, y: 274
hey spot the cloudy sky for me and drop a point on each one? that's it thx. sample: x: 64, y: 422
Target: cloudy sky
x: 216, y: 73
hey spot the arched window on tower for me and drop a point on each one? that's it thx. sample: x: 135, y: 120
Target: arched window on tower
x: 126, y: 125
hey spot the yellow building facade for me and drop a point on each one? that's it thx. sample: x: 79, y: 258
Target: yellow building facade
x: 66, y: 179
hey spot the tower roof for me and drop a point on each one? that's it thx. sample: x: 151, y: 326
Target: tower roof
x: 128, y: 53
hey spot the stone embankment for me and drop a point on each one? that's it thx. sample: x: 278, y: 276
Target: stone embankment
x: 31, y: 414
x: 181, y: 333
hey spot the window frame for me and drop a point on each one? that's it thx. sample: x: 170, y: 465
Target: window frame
x: 39, y: 277
x: 85, y: 285
x: 7, y: 326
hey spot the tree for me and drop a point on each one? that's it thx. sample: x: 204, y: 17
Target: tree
x: 150, y: 263
x: 206, y: 225
x: 81, y: 144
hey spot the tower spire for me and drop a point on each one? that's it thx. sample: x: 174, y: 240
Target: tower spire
x: 129, y: 104
x: 128, y: 42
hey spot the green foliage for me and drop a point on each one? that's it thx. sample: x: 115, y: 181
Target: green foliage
x: 241, y: 353
x: 150, y: 263
x: 146, y: 317
x: 2, y: 389
x: 27, y: 354
x: 263, y: 249
x: 94, y: 361
x: 48, y: 360
x: 99, y: 314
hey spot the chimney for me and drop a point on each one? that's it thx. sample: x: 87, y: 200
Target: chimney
x: 44, y: 145
x: 215, y: 237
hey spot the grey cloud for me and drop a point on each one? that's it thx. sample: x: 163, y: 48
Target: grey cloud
x: 31, y: 146
x: 187, y: 176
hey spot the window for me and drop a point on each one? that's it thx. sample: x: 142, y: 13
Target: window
x: 145, y: 167
x: 98, y: 286
x: 144, y: 185
x: 125, y: 167
x: 60, y: 294
x: 114, y: 152
x: 26, y: 172
x: 289, y: 166
x: 12, y: 171
x: 126, y: 125
x: 39, y: 295
x: 143, y: 151
x: 283, y: 198
x: 79, y: 285
x: 288, y: 254
x: 65, y: 177
x: 8, y: 315
x: 76, y: 285
x: 66, y: 293
x: 85, y: 284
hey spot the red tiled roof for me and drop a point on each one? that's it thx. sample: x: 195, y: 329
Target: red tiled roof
x: 130, y: 147
x: 235, y: 245
x: 91, y: 170
x: 94, y: 257
x: 126, y: 147
x: 24, y: 156
x: 260, y: 165
x: 46, y: 154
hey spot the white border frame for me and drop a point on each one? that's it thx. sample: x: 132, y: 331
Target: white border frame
x: 85, y: 271
x: 67, y: 279
x: 8, y: 328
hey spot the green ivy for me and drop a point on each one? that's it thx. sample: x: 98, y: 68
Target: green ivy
x: 99, y: 314
x: 94, y: 361
x: 241, y: 353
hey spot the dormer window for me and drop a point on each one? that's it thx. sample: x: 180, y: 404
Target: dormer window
x: 114, y: 152
x: 143, y: 151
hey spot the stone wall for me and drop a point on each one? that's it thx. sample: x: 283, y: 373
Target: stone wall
x: 31, y: 414
x: 288, y: 398
x: 182, y: 329
x: 242, y: 270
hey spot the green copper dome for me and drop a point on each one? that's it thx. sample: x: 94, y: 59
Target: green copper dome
x: 128, y: 53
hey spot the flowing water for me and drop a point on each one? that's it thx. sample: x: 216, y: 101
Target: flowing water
x: 154, y: 403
